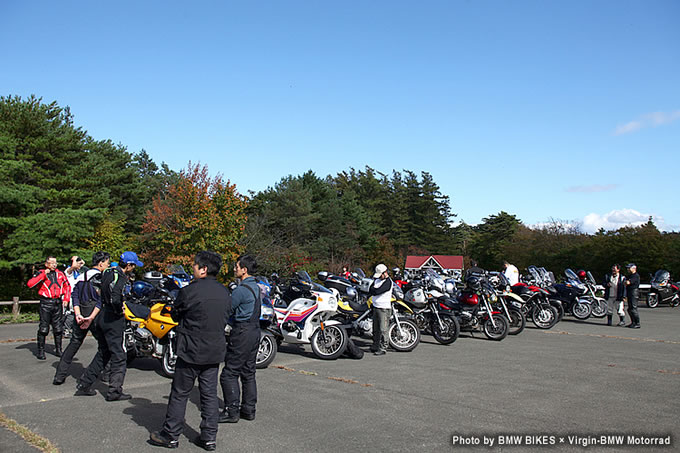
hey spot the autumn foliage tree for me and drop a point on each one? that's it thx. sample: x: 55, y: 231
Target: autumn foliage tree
x: 196, y: 213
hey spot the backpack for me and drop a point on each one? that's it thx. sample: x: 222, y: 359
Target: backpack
x: 89, y: 293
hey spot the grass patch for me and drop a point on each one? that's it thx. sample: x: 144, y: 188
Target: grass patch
x: 23, y: 317
x: 29, y: 436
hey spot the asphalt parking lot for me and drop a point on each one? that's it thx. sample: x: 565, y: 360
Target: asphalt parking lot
x: 580, y: 379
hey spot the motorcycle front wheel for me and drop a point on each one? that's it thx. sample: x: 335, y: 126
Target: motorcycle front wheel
x: 330, y: 342
x: 266, y: 352
x: 581, y: 310
x: 405, y: 341
x: 599, y: 308
x: 448, y: 332
x: 168, y: 361
x: 544, y: 316
x: 498, y: 332
x: 517, y: 322
x: 652, y: 300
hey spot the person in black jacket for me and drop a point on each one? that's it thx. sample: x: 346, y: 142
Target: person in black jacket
x: 614, y: 290
x: 244, y: 341
x: 201, y: 310
x: 109, y: 329
x: 632, y: 285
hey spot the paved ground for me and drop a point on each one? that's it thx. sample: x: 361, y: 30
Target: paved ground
x: 579, y: 379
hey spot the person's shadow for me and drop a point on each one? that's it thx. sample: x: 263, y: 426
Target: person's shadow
x: 150, y: 415
x: 33, y: 348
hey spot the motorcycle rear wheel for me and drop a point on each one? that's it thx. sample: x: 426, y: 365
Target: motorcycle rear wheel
x: 652, y: 300
x: 266, y: 351
x: 581, y: 310
x: 544, y: 316
x: 329, y: 343
x: 517, y: 322
x: 407, y: 340
x: 675, y: 301
x: 451, y: 329
x: 500, y: 331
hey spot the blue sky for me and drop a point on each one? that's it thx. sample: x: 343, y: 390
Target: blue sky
x: 547, y: 110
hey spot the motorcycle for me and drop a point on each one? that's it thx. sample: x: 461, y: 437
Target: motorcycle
x: 511, y: 304
x: 150, y: 330
x: 663, y: 290
x: 535, y: 292
x: 303, y: 316
x: 424, y: 304
x: 268, y: 344
x: 574, y: 296
x: 473, y: 309
x: 403, y: 334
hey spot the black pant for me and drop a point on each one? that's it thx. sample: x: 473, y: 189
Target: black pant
x: 633, y: 307
x: 51, y: 313
x: 240, y: 359
x: 77, y: 337
x: 108, y: 330
x: 182, y: 385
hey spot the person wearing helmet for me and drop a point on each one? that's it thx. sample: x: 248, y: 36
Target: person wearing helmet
x: 109, y: 329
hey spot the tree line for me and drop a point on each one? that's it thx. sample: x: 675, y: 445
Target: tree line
x: 66, y: 193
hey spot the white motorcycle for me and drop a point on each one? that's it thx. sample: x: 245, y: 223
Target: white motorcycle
x: 303, y: 316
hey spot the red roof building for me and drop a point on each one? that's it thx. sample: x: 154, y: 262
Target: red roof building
x: 440, y: 263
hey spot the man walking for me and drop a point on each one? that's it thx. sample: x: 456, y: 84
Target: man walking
x: 381, y: 290
x: 201, y: 310
x: 243, y: 344
x: 614, y: 289
x: 55, y: 295
x: 632, y: 285
x: 511, y: 273
x: 108, y: 330
x: 86, y: 298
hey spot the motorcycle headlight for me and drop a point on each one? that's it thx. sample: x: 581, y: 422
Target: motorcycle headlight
x: 267, y: 311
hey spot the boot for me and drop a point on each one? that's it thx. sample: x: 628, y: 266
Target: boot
x: 609, y: 320
x: 41, y: 348
x: 57, y: 345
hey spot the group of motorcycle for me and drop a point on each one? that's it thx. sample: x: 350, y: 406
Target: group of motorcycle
x: 327, y: 315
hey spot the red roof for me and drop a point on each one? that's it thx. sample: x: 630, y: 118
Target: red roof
x: 445, y: 261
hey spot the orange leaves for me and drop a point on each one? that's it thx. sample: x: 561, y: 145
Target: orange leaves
x: 198, y: 213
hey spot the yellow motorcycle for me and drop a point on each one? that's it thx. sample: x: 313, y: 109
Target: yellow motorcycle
x: 403, y: 334
x: 150, y: 332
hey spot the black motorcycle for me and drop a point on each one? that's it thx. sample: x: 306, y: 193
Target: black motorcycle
x: 663, y: 290
x: 573, y: 294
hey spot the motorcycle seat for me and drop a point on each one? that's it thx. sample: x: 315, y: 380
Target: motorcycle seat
x: 138, y: 310
x: 358, y: 307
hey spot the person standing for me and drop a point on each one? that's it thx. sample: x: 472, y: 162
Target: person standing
x: 73, y: 273
x: 511, y: 273
x: 381, y: 290
x: 201, y: 310
x: 86, y: 298
x: 242, y: 346
x: 55, y: 295
x: 614, y: 289
x: 109, y: 330
x: 632, y: 285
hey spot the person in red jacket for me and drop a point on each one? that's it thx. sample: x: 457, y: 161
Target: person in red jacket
x: 55, y: 295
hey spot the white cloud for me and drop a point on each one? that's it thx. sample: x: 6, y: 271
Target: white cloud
x: 593, y: 188
x: 619, y: 218
x: 653, y: 119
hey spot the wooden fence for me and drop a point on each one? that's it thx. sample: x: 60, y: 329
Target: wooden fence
x: 16, y: 304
